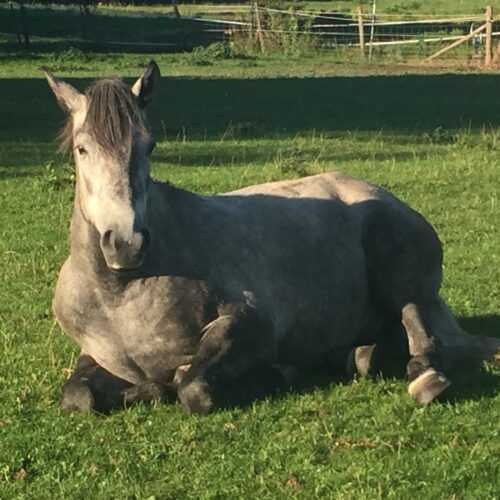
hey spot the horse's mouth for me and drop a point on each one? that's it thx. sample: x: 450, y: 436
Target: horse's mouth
x: 119, y: 269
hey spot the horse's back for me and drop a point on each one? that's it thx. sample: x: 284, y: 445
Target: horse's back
x: 331, y: 185
x: 369, y: 204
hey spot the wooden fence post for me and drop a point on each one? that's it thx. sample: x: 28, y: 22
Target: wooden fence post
x: 496, y: 56
x: 252, y: 5
x: 83, y: 22
x: 489, y: 31
x: 176, y: 9
x: 24, y: 25
x: 258, y: 23
x: 361, y: 30
x: 372, y: 28
x: 14, y: 22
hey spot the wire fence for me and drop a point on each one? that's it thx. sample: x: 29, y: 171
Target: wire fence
x: 31, y: 26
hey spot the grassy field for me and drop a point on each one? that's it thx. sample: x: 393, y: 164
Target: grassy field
x: 74, y: 63
x: 433, y: 140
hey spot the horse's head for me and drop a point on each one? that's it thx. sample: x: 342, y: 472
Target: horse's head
x: 112, y: 145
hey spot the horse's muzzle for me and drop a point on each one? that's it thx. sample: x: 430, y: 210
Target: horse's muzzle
x: 124, y: 255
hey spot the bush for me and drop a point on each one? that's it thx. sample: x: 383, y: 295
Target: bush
x: 208, y: 55
x: 72, y: 59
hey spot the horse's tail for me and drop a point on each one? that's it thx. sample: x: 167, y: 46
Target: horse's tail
x: 458, y: 345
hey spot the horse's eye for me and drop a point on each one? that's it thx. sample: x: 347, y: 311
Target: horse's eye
x: 80, y: 150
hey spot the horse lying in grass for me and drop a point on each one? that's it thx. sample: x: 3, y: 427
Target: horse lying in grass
x: 215, y: 300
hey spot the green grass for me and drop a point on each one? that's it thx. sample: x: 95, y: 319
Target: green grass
x: 432, y: 140
x: 72, y: 63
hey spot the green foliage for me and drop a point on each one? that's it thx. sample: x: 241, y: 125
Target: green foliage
x: 404, y: 7
x: 211, y: 54
x: 288, y: 35
x: 59, y: 177
x: 71, y: 59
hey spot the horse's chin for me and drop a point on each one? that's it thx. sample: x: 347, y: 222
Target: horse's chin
x: 124, y: 269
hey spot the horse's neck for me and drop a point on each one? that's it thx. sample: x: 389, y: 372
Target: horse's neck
x: 176, y: 248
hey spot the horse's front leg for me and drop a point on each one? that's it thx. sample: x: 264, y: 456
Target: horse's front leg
x: 234, y: 363
x: 91, y: 387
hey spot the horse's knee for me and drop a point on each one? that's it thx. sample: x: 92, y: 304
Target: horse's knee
x: 76, y: 396
x: 195, y: 396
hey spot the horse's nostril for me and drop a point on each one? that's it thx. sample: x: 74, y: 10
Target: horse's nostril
x: 124, y: 253
x: 108, y: 238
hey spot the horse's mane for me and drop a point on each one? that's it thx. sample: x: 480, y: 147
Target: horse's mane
x: 112, y: 115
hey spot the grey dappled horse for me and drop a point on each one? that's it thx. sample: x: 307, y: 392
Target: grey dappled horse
x: 217, y: 300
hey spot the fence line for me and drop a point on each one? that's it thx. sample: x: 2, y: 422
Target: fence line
x: 338, y: 15
x: 423, y: 40
x: 444, y: 22
x: 441, y: 21
x: 402, y: 23
x: 342, y: 16
x: 347, y: 32
x: 218, y: 21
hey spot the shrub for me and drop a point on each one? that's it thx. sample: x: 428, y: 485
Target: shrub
x: 208, y: 55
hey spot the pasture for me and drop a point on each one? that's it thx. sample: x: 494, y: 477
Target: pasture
x: 433, y: 140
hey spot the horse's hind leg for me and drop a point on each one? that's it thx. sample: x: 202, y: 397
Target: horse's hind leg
x: 426, y: 380
x: 404, y: 260
x: 91, y: 387
x: 436, y: 340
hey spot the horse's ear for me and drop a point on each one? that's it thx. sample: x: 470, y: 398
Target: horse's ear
x: 68, y: 97
x: 144, y: 88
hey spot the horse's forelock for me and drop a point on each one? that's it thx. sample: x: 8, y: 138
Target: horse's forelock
x: 112, y: 114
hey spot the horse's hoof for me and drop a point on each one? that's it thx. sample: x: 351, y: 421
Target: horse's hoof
x: 76, y: 396
x: 195, y: 397
x: 428, y: 386
x: 363, y: 361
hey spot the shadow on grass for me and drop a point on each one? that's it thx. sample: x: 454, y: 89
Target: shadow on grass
x: 207, y: 108
x: 54, y: 29
x: 483, y: 382
x: 467, y: 384
x: 13, y: 174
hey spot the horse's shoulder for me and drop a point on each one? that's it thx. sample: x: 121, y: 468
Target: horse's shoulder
x: 74, y: 303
